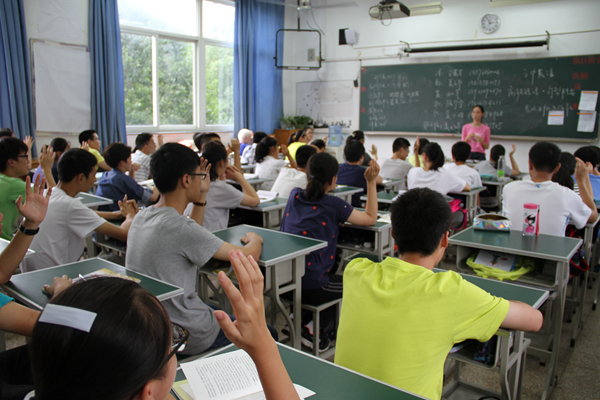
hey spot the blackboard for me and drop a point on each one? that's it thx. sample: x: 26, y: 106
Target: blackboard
x: 516, y: 96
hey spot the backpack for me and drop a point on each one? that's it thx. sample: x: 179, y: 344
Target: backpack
x: 577, y: 265
x: 459, y: 215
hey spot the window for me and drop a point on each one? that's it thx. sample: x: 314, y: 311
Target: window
x: 177, y: 64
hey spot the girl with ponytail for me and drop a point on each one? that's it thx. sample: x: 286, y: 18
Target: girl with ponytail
x: 297, y: 140
x: 431, y: 175
x: 313, y: 213
x: 268, y: 164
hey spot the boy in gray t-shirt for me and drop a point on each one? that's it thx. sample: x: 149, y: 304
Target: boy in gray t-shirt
x: 168, y: 246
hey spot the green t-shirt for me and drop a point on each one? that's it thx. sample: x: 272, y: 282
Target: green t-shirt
x: 10, y: 190
x: 399, y: 322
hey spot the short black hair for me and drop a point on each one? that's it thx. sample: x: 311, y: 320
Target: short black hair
x: 400, y: 143
x: 10, y: 149
x: 497, y: 151
x: 86, y: 135
x: 303, y: 154
x: 420, y: 218
x: 544, y: 156
x: 461, y: 151
x: 358, y: 135
x: 6, y: 132
x: 214, y: 152
x: 171, y: 162
x: 115, y: 153
x: 74, y: 162
x: 59, y: 144
x: 142, y: 139
x: 422, y: 143
x: 353, y: 151
x: 258, y: 136
x: 317, y: 143
x: 588, y: 155
x: 203, y: 138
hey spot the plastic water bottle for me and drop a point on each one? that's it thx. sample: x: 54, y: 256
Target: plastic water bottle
x: 500, y: 166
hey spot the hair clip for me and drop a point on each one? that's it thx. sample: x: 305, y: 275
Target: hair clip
x: 70, y: 317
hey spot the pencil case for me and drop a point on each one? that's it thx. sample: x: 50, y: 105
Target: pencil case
x: 492, y: 222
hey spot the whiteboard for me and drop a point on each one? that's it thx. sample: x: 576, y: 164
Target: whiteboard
x: 329, y: 102
x: 62, y: 81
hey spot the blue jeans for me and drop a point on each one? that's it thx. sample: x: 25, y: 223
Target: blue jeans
x: 221, y: 340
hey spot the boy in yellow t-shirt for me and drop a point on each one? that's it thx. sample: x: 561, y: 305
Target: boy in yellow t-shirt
x: 90, y: 138
x: 400, y: 319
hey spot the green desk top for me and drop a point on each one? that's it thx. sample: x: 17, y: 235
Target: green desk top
x: 344, y: 191
x: 4, y: 244
x: 277, y: 246
x: 545, y: 247
x: 27, y: 287
x: 277, y: 204
x: 91, y: 200
x: 329, y: 381
x: 379, y: 225
x: 387, y: 197
x: 474, y: 190
x: 254, y: 181
x: 532, y: 296
x: 500, y: 182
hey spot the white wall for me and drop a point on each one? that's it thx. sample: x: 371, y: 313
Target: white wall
x: 459, y: 22
x: 62, y: 30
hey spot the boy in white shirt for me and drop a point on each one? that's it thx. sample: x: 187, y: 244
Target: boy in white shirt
x: 68, y: 222
x: 397, y: 167
x: 144, y: 146
x: 290, y: 178
x: 559, y: 205
x: 460, y: 154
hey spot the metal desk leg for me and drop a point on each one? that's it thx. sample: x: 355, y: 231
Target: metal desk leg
x: 296, y: 286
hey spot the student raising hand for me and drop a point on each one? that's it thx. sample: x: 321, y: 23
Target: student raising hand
x: 249, y: 331
x: 372, y: 173
x: 36, y: 203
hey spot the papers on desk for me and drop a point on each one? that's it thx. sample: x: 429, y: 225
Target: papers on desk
x: 251, y: 176
x: 105, y: 272
x: 493, y: 259
x: 148, y: 183
x: 226, y: 376
x: 265, y: 195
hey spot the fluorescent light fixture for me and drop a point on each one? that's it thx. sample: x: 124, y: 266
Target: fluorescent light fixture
x: 425, y: 9
x: 505, y: 3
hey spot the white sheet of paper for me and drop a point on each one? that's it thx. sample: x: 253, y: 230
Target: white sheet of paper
x: 266, y: 195
x: 556, y: 117
x: 227, y: 376
x: 502, y: 261
x: 587, y: 121
x: 588, y: 100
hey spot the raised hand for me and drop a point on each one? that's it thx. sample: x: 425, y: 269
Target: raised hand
x: 85, y: 146
x: 205, y: 168
x: 29, y: 142
x: 374, y: 151
x: 416, y: 146
x: 284, y: 150
x: 47, y: 158
x: 372, y: 172
x: 514, y: 148
x: 231, y: 172
x: 160, y: 140
x: 128, y: 207
x: 36, y: 203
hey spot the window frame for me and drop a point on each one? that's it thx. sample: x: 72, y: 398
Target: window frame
x: 198, y: 75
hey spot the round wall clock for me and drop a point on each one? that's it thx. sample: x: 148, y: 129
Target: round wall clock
x: 490, y: 23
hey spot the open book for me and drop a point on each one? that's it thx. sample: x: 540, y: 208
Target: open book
x: 265, y: 195
x: 226, y: 376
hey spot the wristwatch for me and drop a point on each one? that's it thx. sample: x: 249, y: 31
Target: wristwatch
x: 200, y: 204
x: 29, y: 232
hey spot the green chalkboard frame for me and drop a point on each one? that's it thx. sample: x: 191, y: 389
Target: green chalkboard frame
x: 524, y: 98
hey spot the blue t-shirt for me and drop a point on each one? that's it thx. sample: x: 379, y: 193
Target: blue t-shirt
x: 114, y: 185
x: 4, y: 300
x: 595, y: 181
x: 318, y: 220
x: 353, y: 175
x: 39, y: 172
x: 242, y: 147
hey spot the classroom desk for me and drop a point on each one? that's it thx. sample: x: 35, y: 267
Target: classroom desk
x: 555, y: 251
x: 511, y: 348
x: 256, y: 183
x: 4, y: 244
x: 521, y: 176
x: 383, y: 244
x: 27, y: 287
x: 328, y: 380
x: 389, y: 197
x: 499, y: 186
x: 248, y: 168
x: 471, y: 200
x: 92, y: 201
x: 278, y: 251
x: 392, y: 184
x: 272, y: 211
x: 345, y: 192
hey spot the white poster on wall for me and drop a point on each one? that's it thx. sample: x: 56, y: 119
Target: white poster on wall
x: 329, y: 103
x: 62, y: 87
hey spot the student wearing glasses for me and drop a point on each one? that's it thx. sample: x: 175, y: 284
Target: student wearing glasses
x: 128, y: 349
x: 166, y: 245
x: 13, y: 165
x: 222, y: 196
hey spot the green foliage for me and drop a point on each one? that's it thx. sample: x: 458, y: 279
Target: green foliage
x: 295, y: 121
x: 137, y: 71
x: 219, y: 85
x: 175, y: 82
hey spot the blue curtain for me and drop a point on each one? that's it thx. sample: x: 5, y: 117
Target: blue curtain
x: 108, y: 96
x: 257, y: 89
x: 16, y: 110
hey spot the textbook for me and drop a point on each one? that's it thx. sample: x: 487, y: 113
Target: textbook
x: 228, y: 376
x: 505, y: 262
x: 265, y: 195
x: 105, y: 272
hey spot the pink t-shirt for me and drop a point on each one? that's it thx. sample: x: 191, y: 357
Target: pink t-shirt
x: 481, y: 130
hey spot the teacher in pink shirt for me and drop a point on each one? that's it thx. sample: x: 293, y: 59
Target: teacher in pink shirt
x: 477, y: 134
